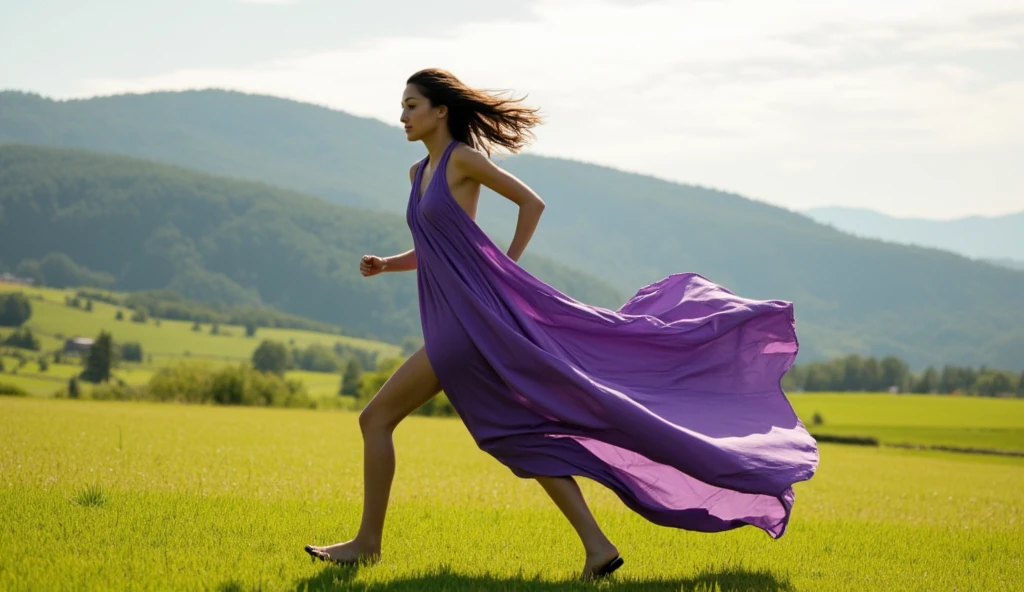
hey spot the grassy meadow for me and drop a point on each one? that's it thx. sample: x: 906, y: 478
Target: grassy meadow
x: 165, y: 343
x: 110, y: 495
x: 917, y: 419
x: 99, y: 495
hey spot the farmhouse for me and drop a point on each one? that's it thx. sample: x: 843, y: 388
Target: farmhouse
x: 10, y: 278
x: 77, y: 345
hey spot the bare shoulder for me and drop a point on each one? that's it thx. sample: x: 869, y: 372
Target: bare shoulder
x: 470, y: 161
x: 412, y: 172
x: 465, y: 155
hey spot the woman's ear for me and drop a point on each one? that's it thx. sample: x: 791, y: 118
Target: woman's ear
x: 442, y: 111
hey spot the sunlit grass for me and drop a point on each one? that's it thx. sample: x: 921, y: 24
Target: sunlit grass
x: 53, y: 321
x: 202, y: 497
x: 917, y: 419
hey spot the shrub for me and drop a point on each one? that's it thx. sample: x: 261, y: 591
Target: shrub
x: 271, y: 356
x: 12, y: 390
x: 22, y: 338
x: 352, y: 378
x: 189, y: 382
x: 131, y: 351
x: 15, y: 309
x: 316, y: 358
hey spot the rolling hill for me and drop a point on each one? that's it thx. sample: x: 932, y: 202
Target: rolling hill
x: 151, y: 226
x: 852, y: 294
x: 999, y: 239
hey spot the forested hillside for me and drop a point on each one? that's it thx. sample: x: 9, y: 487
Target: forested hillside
x: 135, y: 225
x: 852, y: 295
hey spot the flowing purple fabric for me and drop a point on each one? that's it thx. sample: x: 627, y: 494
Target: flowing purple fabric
x: 672, y: 401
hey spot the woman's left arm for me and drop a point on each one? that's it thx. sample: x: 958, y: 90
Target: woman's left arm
x: 478, y: 167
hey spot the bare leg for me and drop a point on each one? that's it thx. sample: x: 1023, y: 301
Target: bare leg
x: 567, y: 496
x: 412, y: 385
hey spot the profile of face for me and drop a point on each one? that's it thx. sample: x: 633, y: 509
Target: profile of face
x: 419, y: 117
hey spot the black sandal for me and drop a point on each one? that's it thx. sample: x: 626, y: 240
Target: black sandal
x: 606, y: 569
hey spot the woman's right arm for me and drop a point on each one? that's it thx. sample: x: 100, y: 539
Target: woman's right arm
x: 372, y: 265
x: 403, y: 262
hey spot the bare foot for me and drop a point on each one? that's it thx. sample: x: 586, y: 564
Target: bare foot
x: 596, y: 558
x: 349, y: 552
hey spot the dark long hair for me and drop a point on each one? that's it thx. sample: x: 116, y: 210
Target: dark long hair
x: 478, y: 118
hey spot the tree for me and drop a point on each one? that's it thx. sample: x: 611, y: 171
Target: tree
x: 88, y: 305
x: 250, y: 330
x: 271, y: 356
x: 352, y: 378
x: 1, y: 364
x: 43, y: 364
x: 894, y: 373
x: 196, y: 326
x: 22, y: 338
x: 992, y: 383
x: 119, y: 316
x: 15, y: 309
x: 73, y: 388
x: 140, y: 316
x: 929, y: 381
x: 99, y: 360
x: 1020, y: 386
x: 131, y: 351
x: 215, y: 328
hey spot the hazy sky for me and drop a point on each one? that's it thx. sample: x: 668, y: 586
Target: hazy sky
x: 913, y: 108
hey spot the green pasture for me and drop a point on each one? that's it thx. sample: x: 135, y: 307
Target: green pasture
x: 104, y: 495
x: 917, y: 419
x: 53, y: 321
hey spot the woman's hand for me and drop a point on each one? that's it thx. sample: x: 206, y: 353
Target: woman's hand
x: 371, y: 265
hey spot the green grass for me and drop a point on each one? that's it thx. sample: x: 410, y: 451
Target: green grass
x: 917, y: 419
x: 53, y: 321
x: 103, y: 495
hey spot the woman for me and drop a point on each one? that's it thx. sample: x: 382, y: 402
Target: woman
x: 672, y: 401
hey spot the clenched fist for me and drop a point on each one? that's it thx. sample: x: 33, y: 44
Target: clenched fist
x: 371, y: 265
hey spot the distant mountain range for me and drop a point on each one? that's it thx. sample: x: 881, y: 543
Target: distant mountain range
x: 998, y: 239
x: 852, y: 295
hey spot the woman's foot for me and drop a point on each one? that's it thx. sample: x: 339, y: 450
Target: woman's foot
x: 601, y: 562
x: 347, y: 553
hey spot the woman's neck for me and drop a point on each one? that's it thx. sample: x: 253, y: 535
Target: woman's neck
x: 437, y: 143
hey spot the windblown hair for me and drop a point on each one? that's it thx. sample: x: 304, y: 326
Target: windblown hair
x: 478, y: 118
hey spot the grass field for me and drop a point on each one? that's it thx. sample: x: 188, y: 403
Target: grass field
x: 53, y: 321
x: 194, y: 497
x: 44, y: 384
x: 917, y: 419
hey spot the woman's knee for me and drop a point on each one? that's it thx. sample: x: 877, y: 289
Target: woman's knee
x: 372, y: 419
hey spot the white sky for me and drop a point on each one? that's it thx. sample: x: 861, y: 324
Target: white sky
x: 909, y: 107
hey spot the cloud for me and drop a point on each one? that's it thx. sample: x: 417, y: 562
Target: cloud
x: 697, y: 91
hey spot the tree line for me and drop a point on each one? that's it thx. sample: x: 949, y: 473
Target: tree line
x: 891, y: 374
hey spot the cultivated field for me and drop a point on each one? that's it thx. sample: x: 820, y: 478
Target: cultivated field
x: 103, y: 495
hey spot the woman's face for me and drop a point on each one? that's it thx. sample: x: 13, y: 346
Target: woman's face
x: 418, y: 116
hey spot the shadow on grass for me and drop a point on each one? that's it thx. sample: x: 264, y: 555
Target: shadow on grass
x: 445, y: 578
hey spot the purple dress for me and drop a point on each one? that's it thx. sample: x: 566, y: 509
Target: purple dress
x: 672, y: 401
